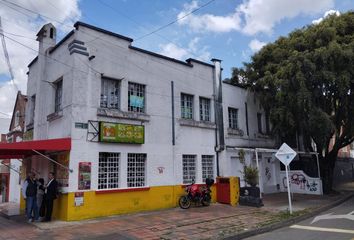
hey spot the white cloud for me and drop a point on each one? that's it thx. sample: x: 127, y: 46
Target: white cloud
x: 326, y: 14
x: 252, y: 16
x: 255, y: 45
x: 208, y: 22
x: 27, y: 24
x: 194, y: 49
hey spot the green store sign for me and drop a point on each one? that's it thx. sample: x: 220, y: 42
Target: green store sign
x: 121, y: 133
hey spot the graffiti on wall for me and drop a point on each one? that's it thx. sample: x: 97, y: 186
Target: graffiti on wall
x: 301, y: 183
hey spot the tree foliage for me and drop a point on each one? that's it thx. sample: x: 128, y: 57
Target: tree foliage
x: 306, y: 82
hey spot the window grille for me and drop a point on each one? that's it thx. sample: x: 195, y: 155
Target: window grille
x: 204, y: 109
x: 110, y: 93
x: 233, y: 115
x: 207, y: 167
x: 108, y: 170
x: 136, y: 169
x: 189, y: 168
x: 58, y: 95
x: 136, y: 97
x: 186, y: 106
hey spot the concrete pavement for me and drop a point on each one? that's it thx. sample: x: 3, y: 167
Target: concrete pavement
x: 334, y: 224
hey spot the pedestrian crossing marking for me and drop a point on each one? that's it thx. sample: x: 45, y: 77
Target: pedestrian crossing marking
x: 336, y: 230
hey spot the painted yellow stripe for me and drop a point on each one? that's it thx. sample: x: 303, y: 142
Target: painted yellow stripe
x: 336, y: 230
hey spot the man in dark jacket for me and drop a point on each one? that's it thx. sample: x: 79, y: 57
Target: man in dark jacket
x: 29, y: 192
x: 51, y: 192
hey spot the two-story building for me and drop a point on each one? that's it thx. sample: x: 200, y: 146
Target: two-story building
x: 124, y: 129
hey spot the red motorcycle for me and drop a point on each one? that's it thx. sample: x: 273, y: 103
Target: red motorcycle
x: 197, y: 195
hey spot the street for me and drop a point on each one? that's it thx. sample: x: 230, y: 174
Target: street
x: 336, y: 223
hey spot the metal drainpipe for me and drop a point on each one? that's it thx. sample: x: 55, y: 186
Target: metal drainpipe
x: 218, y: 112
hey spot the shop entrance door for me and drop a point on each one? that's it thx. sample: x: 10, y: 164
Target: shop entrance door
x: 4, y: 187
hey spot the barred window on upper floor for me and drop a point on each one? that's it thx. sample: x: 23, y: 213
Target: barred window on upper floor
x: 58, y: 95
x: 136, y: 169
x: 136, y: 97
x: 186, y: 106
x: 108, y: 170
x: 110, y: 93
x: 204, y: 109
x: 233, y: 118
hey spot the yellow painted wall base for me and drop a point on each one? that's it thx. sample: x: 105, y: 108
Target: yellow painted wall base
x: 106, y: 204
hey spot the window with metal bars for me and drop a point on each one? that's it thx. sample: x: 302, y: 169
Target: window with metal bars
x: 207, y: 167
x: 136, y: 169
x: 110, y: 93
x: 136, y: 97
x: 189, y: 168
x: 233, y: 115
x: 186, y: 106
x: 204, y: 109
x: 108, y: 170
x: 58, y: 95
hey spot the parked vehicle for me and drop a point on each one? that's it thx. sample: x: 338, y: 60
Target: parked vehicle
x: 199, y: 195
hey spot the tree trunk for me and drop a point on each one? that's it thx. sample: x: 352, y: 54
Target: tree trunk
x: 327, y: 165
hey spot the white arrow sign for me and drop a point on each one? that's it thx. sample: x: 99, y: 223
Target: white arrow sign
x: 329, y: 216
x: 285, y: 154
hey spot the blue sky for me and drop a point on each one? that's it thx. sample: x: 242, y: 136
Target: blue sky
x: 134, y: 18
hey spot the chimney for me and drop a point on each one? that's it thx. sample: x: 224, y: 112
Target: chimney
x: 220, y: 142
x: 46, y: 37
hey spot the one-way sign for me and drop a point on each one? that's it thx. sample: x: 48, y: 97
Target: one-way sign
x: 285, y: 154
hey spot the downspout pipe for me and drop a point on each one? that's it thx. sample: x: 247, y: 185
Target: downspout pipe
x: 218, y: 112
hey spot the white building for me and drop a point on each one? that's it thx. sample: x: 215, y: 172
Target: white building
x: 128, y: 127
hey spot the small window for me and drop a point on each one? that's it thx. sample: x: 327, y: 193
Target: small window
x: 136, y: 97
x: 136, y: 169
x: 108, y: 170
x: 110, y: 93
x: 58, y: 95
x: 17, y: 118
x: 189, y: 168
x: 186, y: 106
x: 32, y: 108
x: 233, y: 118
x: 259, y: 120
x: 204, y: 109
x: 207, y: 167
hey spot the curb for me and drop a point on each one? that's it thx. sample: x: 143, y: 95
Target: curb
x: 288, y: 222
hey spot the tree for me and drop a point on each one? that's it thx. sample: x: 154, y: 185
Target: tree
x: 306, y: 82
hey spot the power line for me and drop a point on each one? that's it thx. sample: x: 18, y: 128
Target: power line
x: 174, y: 21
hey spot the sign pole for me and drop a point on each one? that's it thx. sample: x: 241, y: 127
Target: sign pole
x: 288, y: 185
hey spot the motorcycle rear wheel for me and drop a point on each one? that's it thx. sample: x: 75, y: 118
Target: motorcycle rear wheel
x: 184, y: 202
x: 206, y: 200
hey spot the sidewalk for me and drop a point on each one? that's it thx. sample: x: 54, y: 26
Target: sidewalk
x: 214, y: 222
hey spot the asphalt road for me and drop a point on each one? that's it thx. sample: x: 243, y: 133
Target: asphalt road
x: 335, y: 224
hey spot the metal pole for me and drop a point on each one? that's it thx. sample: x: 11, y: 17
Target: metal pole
x: 318, y: 167
x: 63, y: 166
x: 173, y: 113
x: 288, y: 185
x: 8, y: 166
x: 259, y: 174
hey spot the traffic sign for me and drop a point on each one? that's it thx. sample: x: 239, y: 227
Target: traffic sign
x: 285, y: 154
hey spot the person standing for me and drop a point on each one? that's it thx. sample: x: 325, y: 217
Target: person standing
x: 29, y: 192
x: 40, y: 197
x: 51, y: 192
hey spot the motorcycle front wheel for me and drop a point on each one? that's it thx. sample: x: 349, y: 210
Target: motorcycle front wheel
x: 206, y: 200
x: 184, y: 202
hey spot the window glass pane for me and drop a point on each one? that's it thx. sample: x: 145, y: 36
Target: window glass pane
x: 233, y: 118
x: 186, y: 106
x: 207, y: 167
x: 136, y: 169
x: 136, y: 97
x: 108, y: 170
x: 58, y: 95
x: 204, y: 109
x: 189, y: 168
x: 110, y: 93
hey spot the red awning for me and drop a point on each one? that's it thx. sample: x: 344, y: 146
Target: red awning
x: 23, y: 149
